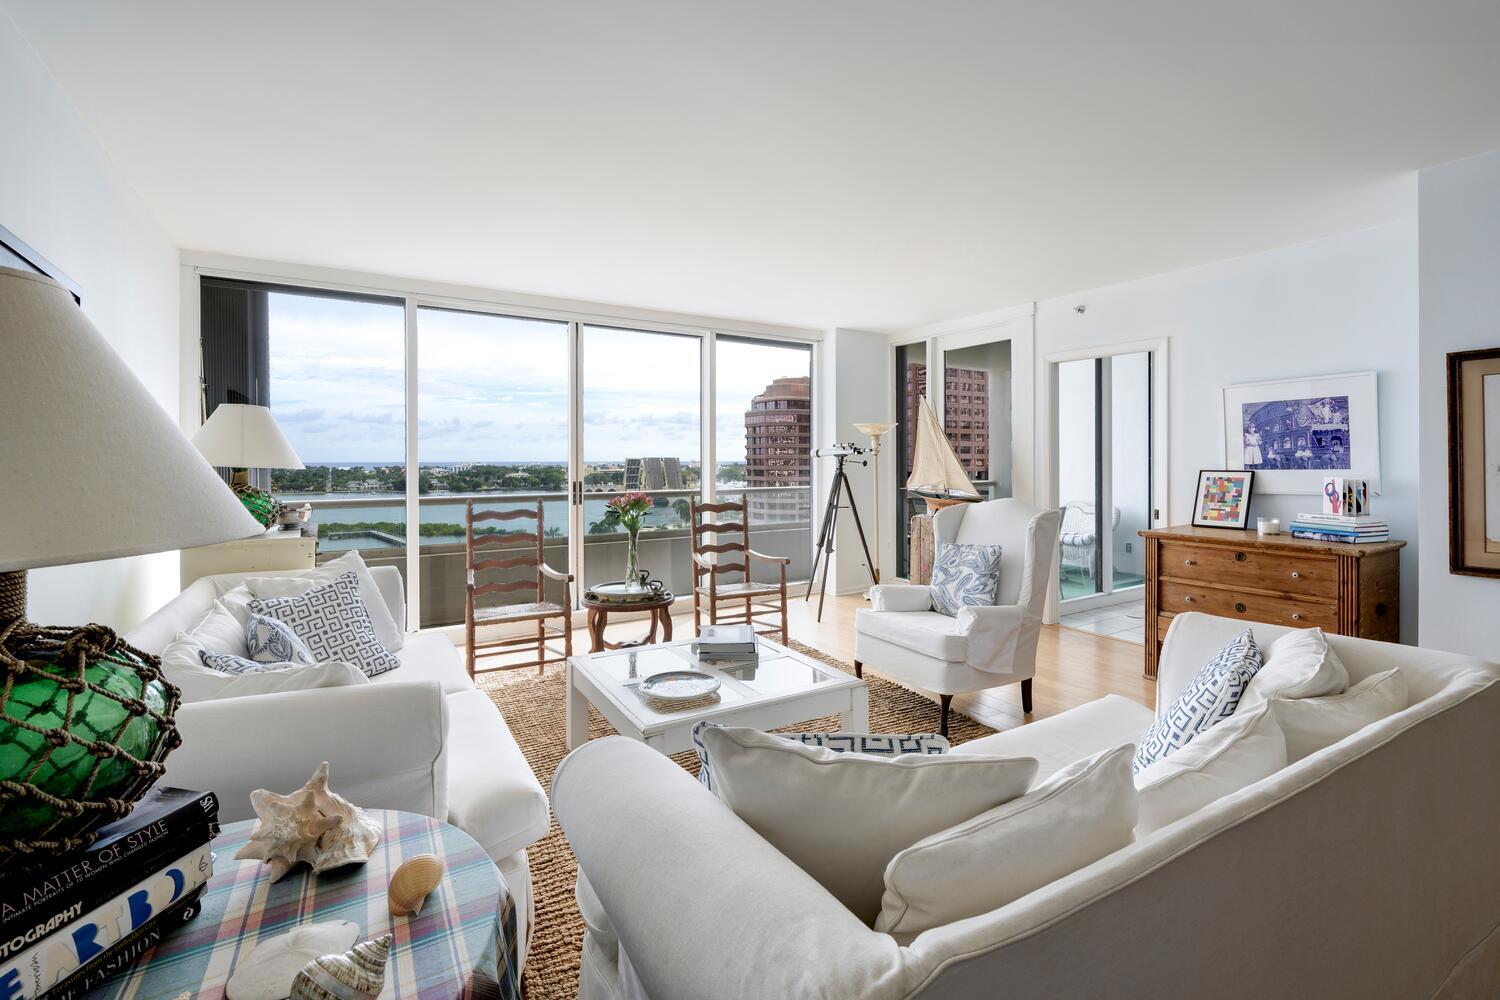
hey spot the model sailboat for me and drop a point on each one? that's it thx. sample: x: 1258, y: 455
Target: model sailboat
x: 936, y: 475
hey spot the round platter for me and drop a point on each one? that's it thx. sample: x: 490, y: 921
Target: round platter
x: 679, y: 685
x: 616, y: 593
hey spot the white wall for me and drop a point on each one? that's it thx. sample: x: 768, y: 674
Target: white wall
x: 855, y: 385
x: 1347, y: 303
x: 1459, y: 215
x: 60, y: 193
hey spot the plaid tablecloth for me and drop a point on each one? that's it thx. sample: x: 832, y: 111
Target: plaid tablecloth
x: 461, y: 944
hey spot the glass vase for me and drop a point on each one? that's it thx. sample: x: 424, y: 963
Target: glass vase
x: 632, y: 560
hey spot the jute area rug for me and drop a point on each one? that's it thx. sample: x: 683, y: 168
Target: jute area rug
x: 533, y: 708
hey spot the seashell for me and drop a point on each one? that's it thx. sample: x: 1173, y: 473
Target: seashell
x: 267, y: 971
x: 358, y: 972
x: 312, y: 825
x: 413, y: 880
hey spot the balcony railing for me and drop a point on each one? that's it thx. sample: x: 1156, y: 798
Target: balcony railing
x: 780, y: 524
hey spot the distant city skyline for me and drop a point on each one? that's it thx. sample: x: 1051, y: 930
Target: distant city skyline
x: 491, y: 385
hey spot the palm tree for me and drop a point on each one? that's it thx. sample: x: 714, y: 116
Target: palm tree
x: 609, y: 524
x: 684, y: 510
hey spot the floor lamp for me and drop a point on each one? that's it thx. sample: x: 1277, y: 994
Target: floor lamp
x: 876, y: 431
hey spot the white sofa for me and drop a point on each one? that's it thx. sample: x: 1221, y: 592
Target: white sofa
x: 420, y: 738
x: 1367, y: 870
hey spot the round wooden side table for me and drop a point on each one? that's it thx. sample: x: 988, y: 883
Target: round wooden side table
x: 461, y: 944
x: 659, y: 605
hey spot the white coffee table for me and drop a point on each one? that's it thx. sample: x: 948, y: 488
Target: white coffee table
x: 783, y: 687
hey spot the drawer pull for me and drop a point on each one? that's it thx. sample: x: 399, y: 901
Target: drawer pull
x: 1239, y: 557
x: 1239, y: 606
x: 1296, y: 616
x: 1190, y: 562
x: 1188, y: 599
x: 1296, y: 575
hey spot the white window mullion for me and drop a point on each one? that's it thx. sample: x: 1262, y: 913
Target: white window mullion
x: 413, y: 478
x: 576, y: 527
x: 708, y: 422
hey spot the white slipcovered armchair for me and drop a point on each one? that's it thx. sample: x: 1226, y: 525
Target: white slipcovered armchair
x: 982, y: 647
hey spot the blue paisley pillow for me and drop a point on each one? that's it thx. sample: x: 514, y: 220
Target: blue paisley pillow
x: 228, y: 663
x: 272, y: 641
x: 964, y: 576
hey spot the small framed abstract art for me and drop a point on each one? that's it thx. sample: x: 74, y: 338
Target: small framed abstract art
x: 1474, y: 462
x: 1223, y: 498
x: 1297, y: 432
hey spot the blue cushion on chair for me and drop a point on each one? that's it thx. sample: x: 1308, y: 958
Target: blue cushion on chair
x: 1209, y: 699
x: 877, y: 744
x: 964, y: 576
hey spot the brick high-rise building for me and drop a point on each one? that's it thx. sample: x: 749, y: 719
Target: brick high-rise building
x: 966, y: 416
x: 778, y: 449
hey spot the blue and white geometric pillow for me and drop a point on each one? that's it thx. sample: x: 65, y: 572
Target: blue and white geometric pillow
x: 1211, y: 698
x: 228, y: 663
x: 881, y: 745
x: 334, y: 624
x: 964, y: 576
x: 271, y: 641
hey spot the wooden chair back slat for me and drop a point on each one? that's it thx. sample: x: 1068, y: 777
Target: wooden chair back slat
x: 485, y: 564
x: 505, y: 515
x: 720, y: 526
x: 725, y: 547
x: 514, y: 541
x: 503, y: 588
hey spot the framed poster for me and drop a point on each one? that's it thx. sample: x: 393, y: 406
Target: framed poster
x: 1474, y: 462
x: 1223, y: 498
x: 1294, y: 433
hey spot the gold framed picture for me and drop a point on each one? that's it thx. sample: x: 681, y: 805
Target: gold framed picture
x: 1474, y: 462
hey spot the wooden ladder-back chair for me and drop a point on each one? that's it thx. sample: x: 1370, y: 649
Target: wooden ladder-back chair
x: 540, y: 610
x: 748, y: 602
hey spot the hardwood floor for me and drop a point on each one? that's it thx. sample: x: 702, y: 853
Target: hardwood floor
x: 1073, y: 667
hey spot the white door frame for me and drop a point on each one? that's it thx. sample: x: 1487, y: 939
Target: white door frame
x: 1047, y: 460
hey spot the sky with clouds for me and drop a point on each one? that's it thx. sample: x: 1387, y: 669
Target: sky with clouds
x: 494, y: 388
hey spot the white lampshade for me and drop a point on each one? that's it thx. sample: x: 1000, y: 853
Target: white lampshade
x: 91, y: 466
x: 241, y: 436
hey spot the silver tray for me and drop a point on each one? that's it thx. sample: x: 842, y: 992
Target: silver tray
x: 616, y: 593
x: 679, y: 685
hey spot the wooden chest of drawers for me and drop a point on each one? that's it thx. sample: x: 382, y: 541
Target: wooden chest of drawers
x: 1345, y: 589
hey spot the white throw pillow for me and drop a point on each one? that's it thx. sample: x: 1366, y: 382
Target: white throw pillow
x: 219, y: 632
x: 334, y: 622
x: 1237, y: 752
x: 1300, y: 664
x: 1310, y: 724
x: 841, y: 817
x: 237, y: 601
x: 387, y: 630
x: 1074, y: 818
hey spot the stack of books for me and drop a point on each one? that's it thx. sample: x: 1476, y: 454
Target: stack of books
x: 1341, y: 528
x: 725, y: 642
x: 68, y: 924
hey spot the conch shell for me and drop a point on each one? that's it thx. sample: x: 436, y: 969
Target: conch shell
x: 311, y: 824
x: 412, y: 881
x: 358, y: 972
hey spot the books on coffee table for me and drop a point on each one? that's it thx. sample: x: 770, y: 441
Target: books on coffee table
x: 725, y: 642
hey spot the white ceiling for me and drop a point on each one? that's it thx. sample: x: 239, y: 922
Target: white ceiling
x: 865, y: 163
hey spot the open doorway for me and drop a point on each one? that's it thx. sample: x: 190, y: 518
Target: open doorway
x: 1108, y: 470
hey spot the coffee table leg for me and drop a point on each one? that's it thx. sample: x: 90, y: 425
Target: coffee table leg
x: 576, y: 714
x: 857, y: 719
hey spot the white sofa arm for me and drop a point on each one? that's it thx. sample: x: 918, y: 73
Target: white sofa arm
x: 702, y: 905
x: 384, y: 743
x: 991, y: 634
x: 900, y: 597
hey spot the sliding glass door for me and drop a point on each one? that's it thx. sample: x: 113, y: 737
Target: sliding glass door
x: 1104, y: 472
x: 641, y: 432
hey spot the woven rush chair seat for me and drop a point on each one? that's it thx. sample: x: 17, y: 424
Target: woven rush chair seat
x: 499, y: 613
x: 733, y: 602
x: 491, y: 553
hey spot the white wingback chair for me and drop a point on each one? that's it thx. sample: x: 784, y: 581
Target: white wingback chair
x: 903, y: 637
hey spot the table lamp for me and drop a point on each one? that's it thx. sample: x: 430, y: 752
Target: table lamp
x: 244, y: 437
x: 876, y: 430
x: 91, y: 467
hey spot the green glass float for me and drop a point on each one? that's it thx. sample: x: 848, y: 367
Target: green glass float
x: 85, y: 722
x: 261, y: 505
